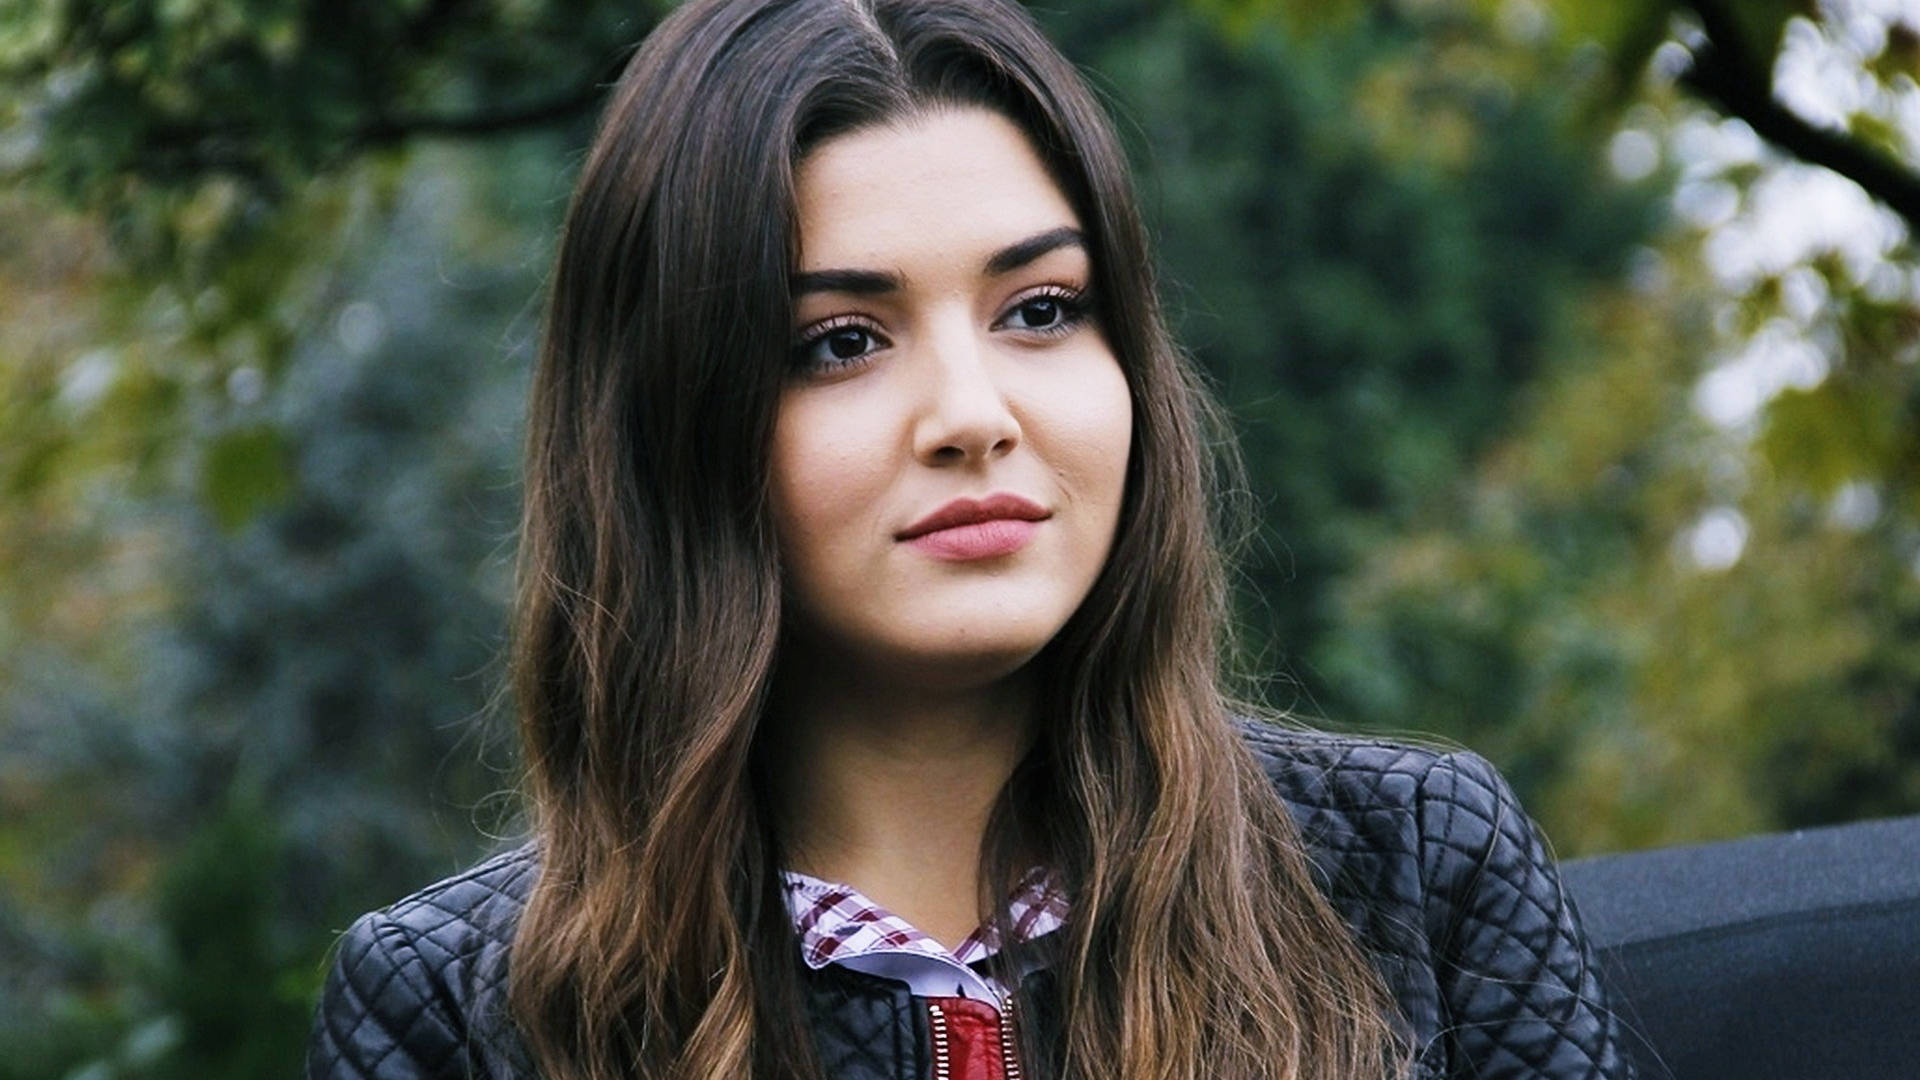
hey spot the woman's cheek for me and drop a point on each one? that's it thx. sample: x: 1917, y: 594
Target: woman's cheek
x: 829, y: 475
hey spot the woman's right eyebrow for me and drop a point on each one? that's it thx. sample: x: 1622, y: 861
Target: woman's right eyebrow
x: 855, y: 282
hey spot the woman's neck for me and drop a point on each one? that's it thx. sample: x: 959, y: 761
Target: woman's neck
x: 889, y: 789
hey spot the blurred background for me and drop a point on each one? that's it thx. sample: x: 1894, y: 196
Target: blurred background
x: 1574, y: 348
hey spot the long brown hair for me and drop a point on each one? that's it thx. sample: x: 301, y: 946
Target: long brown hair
x: 655, y: 943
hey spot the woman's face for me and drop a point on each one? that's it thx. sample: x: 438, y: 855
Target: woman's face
x: 951, y: 447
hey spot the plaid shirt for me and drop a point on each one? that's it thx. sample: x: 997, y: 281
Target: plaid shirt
x: 838, y: 925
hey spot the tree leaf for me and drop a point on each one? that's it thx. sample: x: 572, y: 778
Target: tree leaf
x: 245, y: 472
x: 1831, y: 434
x: 1901, y: 56
x: 1761, y: 23
x: 1629, y: 31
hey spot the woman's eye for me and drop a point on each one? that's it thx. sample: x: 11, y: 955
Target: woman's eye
x: 1039, y: 313
x: 835, y: 346
x: 848, y: 344
x: 1045, y: 313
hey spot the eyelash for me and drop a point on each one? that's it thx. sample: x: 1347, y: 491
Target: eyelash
x: 815, y: 336
x: 1075, y: 310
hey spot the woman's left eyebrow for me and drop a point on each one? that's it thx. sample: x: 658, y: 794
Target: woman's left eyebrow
x: 1020, y: 253
x: 879, y: 282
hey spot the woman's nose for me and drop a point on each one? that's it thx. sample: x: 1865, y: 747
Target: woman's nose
x: 964, y: 411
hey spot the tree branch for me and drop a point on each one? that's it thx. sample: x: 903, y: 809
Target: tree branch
x: 1724, y: 74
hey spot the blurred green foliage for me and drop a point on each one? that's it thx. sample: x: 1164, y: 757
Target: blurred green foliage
x: 268, y: 280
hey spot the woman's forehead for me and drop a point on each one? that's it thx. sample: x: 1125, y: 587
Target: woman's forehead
x: 952, y: 184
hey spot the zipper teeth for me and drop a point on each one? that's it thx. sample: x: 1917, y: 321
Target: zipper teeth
x: 1008, y: 1058
x: 942, y: 1058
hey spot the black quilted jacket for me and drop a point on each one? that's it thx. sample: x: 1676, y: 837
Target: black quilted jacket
x: 1426, y: 855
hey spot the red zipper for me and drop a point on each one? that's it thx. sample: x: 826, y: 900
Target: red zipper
x: 958, y: 1024
x: 942, y: 1056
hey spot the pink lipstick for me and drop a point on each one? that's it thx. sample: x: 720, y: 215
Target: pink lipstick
x: 968, y: 529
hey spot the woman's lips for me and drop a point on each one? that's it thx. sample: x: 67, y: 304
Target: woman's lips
x: 966, y: 529
x: 981, y: 540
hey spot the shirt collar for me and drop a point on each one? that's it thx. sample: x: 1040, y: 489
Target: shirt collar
x: 837, y: 924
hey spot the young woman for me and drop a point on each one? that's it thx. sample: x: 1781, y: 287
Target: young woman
x: 867, y: 641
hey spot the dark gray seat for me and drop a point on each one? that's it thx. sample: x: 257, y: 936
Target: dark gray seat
x: 1794, y: 955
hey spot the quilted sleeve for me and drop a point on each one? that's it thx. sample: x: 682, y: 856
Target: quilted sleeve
x: 1520, y: 993
x: 380, y: 1017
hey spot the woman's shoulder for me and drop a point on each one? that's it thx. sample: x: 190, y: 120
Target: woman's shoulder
x: 1428, y: 855
x: 417, y: 988
x: 1320, y: 773
x: 1396, y: 819
x: 482, y: 901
